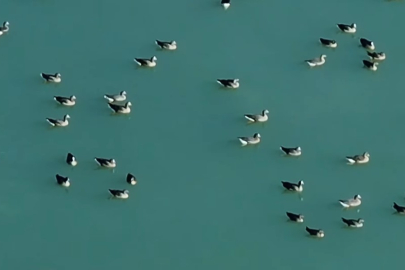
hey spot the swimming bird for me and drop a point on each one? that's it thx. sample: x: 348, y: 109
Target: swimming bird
x: 55, y: 78
x: 293, y: 187
x: 354, y: 223
x: 146, y: 62
x: 367, y: 44
x: 255, y: 139
x: 370, y: 65
x: 167, y: 45
x: 359, y: 159
x: 59, y: 123
x: 71, y: 159
x: 119, y: 97
x: 120, y: 194
x: 105, y: 162
x: 229, y: 83
x: 294, y: 151
x: 399, y: 209
x: 295, y: 217
x: 126, y: 108
x: 62, y: 180
x: 353, y: 202
x: 131, y: 179
x: 315, y: 232
x: 67, y: 101
x: 263, y: 117
x: 226, y: 4
x: 376, y: 55
x: 317, y: 61
x: 330, y: 43
x: 4, y: 28
x: 347, y: 28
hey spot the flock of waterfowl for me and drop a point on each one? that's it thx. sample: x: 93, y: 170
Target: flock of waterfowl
x: 115, y: 104
x: 365, y: 43
x: 297, y: 151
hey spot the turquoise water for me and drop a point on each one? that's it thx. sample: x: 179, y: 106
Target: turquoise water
x: 202, y: 201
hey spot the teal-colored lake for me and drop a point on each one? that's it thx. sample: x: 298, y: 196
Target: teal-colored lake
x: 202, y: 201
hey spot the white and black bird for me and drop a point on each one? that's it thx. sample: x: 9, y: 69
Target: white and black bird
x: 124, y: 109
x: 330, y: 43
x: 354, y: 223
x: 55, y: 78
x: 315, y: 232
x: 131, y: 179
x: 225, y: 4
x: 71, y: 159
x: 367, y: 44
x: 353, y: 202
x: 59, y: 123
x: 379, y: 56
x: 295, y: 217
x: 293, y: 187
x: 120, y: 194
x: 400, y: 209
x: 293, y: 151
x: 167, y: 45
x: 151, y: 62
x: 4, y: 28
x: 370, y: 65
x: 255, y: 139
x: 106, y: 162
x: 63, y: 180
x: 263, y: 117
x: 319, y: 61
x: 229, y: 83
x: 359, y: 159
x: 67, y: 101
x: 347, y: 28
x: 122, y: 96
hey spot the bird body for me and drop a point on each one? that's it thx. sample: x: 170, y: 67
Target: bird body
x: 67, y: 101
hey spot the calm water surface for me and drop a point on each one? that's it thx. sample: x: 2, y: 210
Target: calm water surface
x: 202, y: 201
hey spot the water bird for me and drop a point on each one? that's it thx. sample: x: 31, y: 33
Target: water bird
x: 146, y: 62
x: 126, y: 108
x: 295, y: 217
x: 299, y: 187
x: 379, y: 56
x: 71, y: 159
x: 263, y: 117
x: 167, y: 45
x: 131, y: 179
x: 255, y: 139
x: 315, y: 232
x: 4, y: 28
x: 59, y: 123
x: 67, y: 101
x: 359, y: 159
x: 347, y: 28
x: 120, y: 194
x: 370, y: 65
x: 367, y: 44
x: 354, y: 223
x: 226, y: 4
x: 317, y: 61
x: 55, y: 78
x: 105, y: 162
x: 122, y: 96
x: 330, y: 43
x: 399, y: 209
x: 353, y: 202
x: 62, y: 180
x: 229, y: 83
x: 294, y: 151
